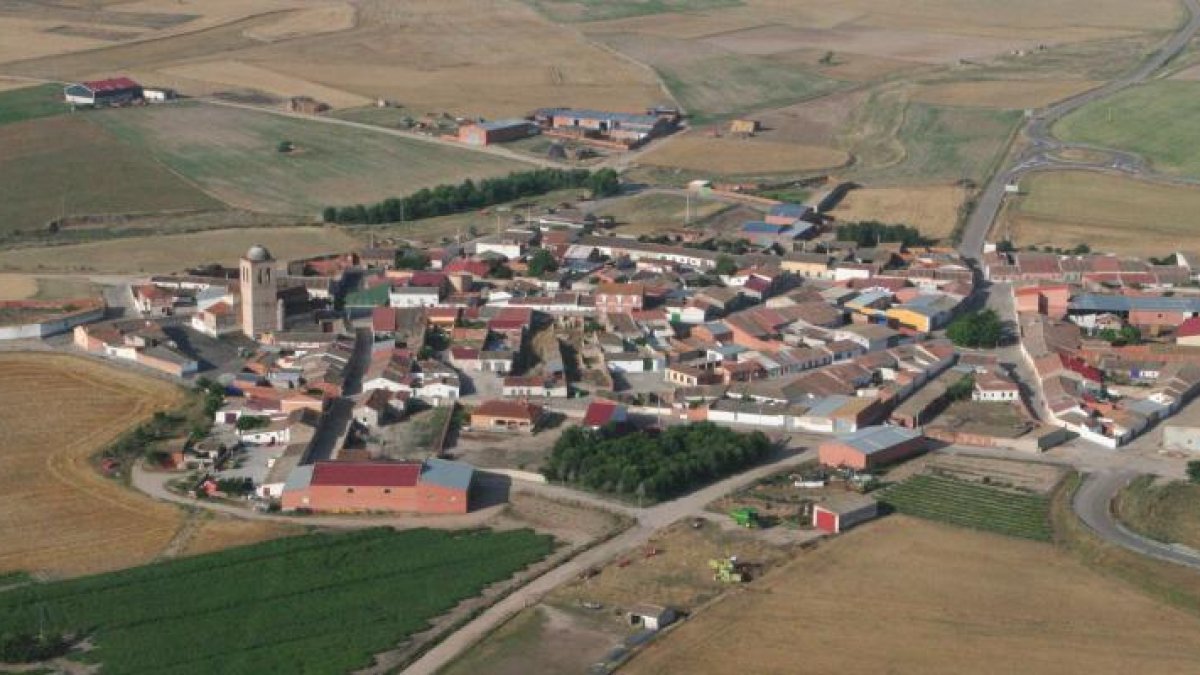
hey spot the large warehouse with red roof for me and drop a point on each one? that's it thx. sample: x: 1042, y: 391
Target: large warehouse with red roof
x: 103, y: 92
x: 434, y: 486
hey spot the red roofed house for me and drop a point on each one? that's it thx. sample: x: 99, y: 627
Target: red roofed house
x: 152, y: 300
x: 620, y: 297
x: 434, y: 486
x: 496, y: 415
x: 216, y: 320
x: 601, y: 413
x: 1188, y: 332
x: 1046, y: 300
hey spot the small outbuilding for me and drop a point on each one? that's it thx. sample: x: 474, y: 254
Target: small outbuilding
x: 871, y: 447
x: 652, y: 617
x: 843, y: 512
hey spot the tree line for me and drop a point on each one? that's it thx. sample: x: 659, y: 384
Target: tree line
x: 469, y: 195
x: 652, y: 466
x: 873, y: 233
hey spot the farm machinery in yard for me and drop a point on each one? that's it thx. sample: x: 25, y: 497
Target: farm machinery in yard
x: 745, y: 517
x: 730, y: 570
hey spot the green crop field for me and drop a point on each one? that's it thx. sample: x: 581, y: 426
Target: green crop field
x: 972, y: 505
x: 1159, y: 120
x: 18, y: 105
x: 69, y: 165
x: 233, y: 154
x: 322, y: 603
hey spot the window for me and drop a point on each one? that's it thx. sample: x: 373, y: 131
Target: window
x: 387, y: 491
x: 349, y: 491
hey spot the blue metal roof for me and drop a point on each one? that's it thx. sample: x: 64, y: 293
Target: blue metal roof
x: 869, y: 440
x: 760, y: 227
x: 495, y: 125
x: 790, y: 210
x: 455, y: 475
x: 299, y: 478
x: 1097, y: 302
x: 828, y: 405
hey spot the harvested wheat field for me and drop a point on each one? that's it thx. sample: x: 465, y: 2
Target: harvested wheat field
x: 215, y: 76
x: 57, y: 514
x: 172, y: 253
x: 733, y: 156
x: 1108, y: 213
x: 17, y: 286
x: 1006, y: 94
x: 907, y: 596
x: 932, y: 209
x: 219, y: 533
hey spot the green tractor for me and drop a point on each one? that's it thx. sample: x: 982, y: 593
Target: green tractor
x: 745, y: 516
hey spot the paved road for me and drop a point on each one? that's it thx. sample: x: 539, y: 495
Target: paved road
x: 1093, y: 504
x: 1040, y: 155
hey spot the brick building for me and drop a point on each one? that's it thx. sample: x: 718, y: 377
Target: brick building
x: 434, y: 486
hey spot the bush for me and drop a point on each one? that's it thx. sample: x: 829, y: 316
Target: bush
x: 248, y: 422
x: 1193, y: 471
x: 873, y: 233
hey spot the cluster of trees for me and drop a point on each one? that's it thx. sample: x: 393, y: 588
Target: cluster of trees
x: 652, y: 467
x: 411, y: 259
x: 1127, y: 335
x: 467, y: 195
x: 976, y: 329
x: 30, y: 648
x: 1193, y: 471
x: 541, y: 262
x: 962, y: 389
x: 249, y: 422
x: 872, y: 233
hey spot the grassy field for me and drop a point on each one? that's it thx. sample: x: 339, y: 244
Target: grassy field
x: 932, y: 599
x: 72, y: 165
x: 163, y: 254
x: 729, y: 156
x: 1109, y: 213
x: 899, y: 141
x: 1155, y: 120
x: 932, y: 209
x: 1002, y: 94
x: 541, y: 639
x: 313, y: 604
x: 18, y: 105
x: 26, y: 286
x: 597, y: 10
x: 714, y: 84
x: 233, y: 154
x: 647, y: 213
x: 970, y: 505
x: 1167, y: 512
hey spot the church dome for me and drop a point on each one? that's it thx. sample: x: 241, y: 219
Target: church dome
x: 258, y: 253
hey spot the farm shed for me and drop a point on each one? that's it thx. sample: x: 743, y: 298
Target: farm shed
x: 496, y: 415
x: 871, y: 447
x: 496, y: 131
x: 843, y: 512
x: 103, y: 92
x: 434, y: 486
x: 651, y: 617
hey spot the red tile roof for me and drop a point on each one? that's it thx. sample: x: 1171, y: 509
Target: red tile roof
x: 508, y: 410
x: 383, y: 319
x: 1189, y: 328
x: 599, y: 413
x: 114, y: 84
x: 366, y: 474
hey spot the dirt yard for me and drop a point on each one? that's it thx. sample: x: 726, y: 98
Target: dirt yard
x: 163, y: 254
x: 678, y: 575
x: 730, y: 156
x: 1028, y: 477
x: 932, y: 599
x: 932, y: 209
